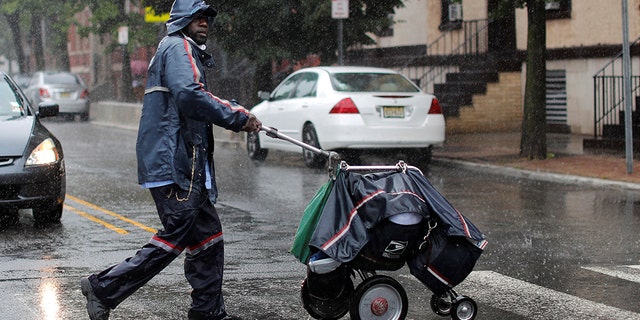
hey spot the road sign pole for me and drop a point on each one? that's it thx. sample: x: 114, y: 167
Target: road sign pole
x: 340, y: 42
x: 626, y: 75
x: 340, y: 11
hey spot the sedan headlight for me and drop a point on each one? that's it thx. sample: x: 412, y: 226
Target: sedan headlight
x: 45, y: 153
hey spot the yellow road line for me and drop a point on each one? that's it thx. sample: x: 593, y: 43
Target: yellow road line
x: 111, y: 213
x: 94, y: 219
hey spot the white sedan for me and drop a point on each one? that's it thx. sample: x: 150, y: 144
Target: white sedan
x: 350, y: 110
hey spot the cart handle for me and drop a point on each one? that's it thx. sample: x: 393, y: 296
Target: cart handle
x: 274, y: 133
x: 401, y: 166
x: 334, y: 157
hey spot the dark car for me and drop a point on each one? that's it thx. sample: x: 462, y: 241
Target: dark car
x: 32, y: 170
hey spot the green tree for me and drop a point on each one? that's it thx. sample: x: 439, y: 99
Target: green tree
x: 28, y: 17
x: 106, y: 18
x: 11, y: 11
x: 274, y: 30
x: 292, y: 29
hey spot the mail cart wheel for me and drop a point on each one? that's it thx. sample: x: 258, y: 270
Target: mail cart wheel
x: 310, y: 137
x: 441, y: 304
x: 254, y: 150
x: 327, y: 309
x: 464, y: 308
x: 379, y: 297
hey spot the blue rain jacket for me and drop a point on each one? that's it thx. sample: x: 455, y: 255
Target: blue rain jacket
x: 175, y: 136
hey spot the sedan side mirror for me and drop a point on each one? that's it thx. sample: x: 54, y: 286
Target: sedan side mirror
x: 264, y: 95
x: 48, y: 109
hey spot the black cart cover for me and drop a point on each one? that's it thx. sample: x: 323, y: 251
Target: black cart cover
x: 358, y: 201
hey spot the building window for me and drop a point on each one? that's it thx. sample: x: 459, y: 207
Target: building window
x: 556, y: 98
x: 451, y: 17
x: 558, y: 9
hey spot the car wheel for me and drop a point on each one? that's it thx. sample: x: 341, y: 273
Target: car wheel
x: 310, y: 137
x: 84, y: 116
x: 48, y: 214
x: 254, y: 150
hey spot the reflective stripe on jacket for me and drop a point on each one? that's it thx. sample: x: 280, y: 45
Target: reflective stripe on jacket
x: 175, y: 136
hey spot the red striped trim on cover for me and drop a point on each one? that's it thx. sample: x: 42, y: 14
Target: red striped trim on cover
x: 354, y: 211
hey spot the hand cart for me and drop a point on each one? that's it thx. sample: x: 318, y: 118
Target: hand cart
x: 449, y: 239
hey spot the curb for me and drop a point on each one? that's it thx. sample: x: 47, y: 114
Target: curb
x: 535, y: 175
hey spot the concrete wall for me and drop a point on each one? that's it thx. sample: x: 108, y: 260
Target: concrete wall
x: 116, y: 114
x: 418, y: 21
x: 592, y: 22
x: 127, y: 116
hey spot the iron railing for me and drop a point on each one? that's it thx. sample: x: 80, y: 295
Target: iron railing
x: 444, y: 54
x: 608, y: 94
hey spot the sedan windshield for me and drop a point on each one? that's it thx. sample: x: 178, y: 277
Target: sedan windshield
x: 10, y: 101
x: 371, y: 82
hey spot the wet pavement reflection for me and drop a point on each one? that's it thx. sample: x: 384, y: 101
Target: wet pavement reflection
x: 545, y: 239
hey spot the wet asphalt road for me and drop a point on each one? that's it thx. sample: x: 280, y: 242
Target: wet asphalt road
x: 556, y: 251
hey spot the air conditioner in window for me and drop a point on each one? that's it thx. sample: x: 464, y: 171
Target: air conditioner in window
x: 455, y: 12
x: 553, y: 5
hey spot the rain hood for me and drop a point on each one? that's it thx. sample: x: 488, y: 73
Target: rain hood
x: 183, y: 11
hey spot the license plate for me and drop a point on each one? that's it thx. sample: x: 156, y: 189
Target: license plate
x: 64, y: 94
x: 393, y: 112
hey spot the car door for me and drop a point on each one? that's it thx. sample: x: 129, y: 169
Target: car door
x: 276, y: 107
x: 300, y: 105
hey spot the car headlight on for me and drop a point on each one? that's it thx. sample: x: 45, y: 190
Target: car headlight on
x: 45, y: 153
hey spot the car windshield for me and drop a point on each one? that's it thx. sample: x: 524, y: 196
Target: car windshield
x: 60, y: 78
x: 10, y: 101
x: 371, y: 82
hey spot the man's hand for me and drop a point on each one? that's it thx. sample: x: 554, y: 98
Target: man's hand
x: 253, y: 124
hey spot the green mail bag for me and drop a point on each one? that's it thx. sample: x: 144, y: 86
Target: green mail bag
x: 309, y: 221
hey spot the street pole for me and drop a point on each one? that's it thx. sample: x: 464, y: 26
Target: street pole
x: 340, y: 11
x: 341, y: 42
x: 626, y: 75
x: 123, y: 40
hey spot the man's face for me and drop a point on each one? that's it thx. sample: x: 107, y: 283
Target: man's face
x: 198, y: 29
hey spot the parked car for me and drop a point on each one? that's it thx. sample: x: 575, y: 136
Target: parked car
x: 64, y: 88
x: 350, y: 110
x: 32, y: 170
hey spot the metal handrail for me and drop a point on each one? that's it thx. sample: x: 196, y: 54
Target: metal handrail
x: 607, y: 93
x: 619, y: 55
x: 473, y: 41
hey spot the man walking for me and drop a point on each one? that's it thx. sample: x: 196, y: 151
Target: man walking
x: 175, y: 162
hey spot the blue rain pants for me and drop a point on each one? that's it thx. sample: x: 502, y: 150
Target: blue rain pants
x: 191, y: 224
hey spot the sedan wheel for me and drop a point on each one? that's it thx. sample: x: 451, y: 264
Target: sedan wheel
x: 310, y: 137
x: 254, y: 150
